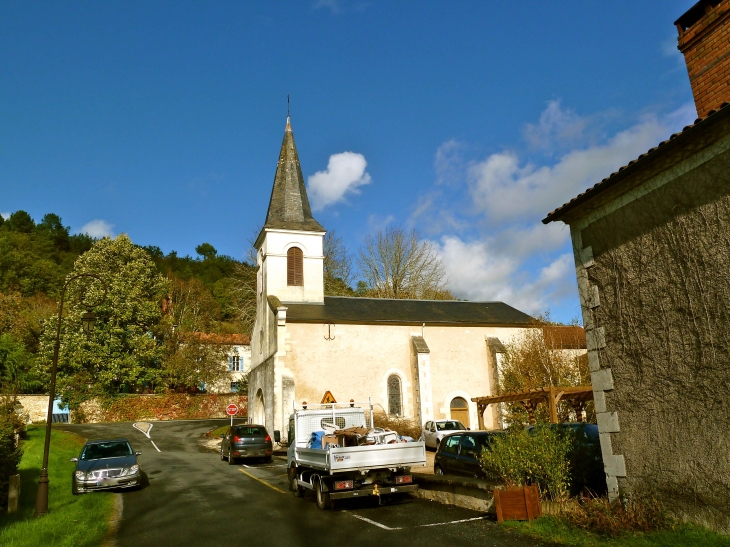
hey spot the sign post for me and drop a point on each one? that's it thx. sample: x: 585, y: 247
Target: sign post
x: 231, y: 410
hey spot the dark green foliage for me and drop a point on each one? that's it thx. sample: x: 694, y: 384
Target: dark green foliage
x: 10, y: 429
x: 206, y: 250
x: 522, y: 457
x: 35, y: 260
x: 20, y: 221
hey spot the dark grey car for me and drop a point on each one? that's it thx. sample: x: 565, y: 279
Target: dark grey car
x: 246, y: 441
x: 106, y: 464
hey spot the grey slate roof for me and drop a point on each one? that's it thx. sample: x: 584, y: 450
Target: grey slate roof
x: 344, y: 309
x: 289, y: 206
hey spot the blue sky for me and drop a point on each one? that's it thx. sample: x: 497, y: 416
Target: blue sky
x: 469, y: 121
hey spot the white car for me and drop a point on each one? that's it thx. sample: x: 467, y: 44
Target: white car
x: 434, y: 431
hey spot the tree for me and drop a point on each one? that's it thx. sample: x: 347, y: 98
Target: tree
x: 396, y: 263
x: 337, y: 266
x: 122, y: 353
x: 241, y: 292
x: 206, y: 250
x: 20, y: 221
x: 544, y: 355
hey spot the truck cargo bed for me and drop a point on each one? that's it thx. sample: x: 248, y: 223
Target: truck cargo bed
x: 358, y: 458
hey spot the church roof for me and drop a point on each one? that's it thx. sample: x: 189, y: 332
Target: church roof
x: 345, y: 309
x: 289, y: 206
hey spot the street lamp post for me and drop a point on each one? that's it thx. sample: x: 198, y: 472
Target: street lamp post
x: 87, y: 321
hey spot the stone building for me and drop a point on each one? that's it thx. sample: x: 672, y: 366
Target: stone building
x: 652, y: 255
x: 418, y: 359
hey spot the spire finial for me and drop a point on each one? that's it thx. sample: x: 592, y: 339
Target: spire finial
x: 288, y: 125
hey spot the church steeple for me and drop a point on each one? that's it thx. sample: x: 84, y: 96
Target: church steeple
x: 289, y: 205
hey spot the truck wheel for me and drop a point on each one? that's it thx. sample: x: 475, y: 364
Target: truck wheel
x: 293, y: 484
x: 323, y: 498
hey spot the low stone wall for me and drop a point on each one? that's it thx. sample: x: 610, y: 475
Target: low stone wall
x: 463, y: 492
x: 35, y: 407
x: 137, y: 407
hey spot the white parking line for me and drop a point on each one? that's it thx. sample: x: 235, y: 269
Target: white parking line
x: 153, y: 444
x: 383, y: 526
x: 451, y: 522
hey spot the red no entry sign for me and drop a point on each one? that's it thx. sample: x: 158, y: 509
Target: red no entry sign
x: 231, y: 410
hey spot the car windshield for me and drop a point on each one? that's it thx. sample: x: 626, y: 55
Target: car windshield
x: 97, y: 451
x: 451, y: 425
x: 249, y: 431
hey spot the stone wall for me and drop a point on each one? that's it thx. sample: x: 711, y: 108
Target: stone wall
x: 653, y: 276
x: 137, y: 407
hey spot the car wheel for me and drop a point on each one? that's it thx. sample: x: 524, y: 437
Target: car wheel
x: 231, y: 459
x: 438, y: 471
x: 267, y: 459
x: 223, y: 458
x: 324, y: 501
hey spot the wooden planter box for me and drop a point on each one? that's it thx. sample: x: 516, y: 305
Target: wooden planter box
x: 518, y: 503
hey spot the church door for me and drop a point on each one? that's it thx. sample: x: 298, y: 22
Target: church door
x: 460, y: 410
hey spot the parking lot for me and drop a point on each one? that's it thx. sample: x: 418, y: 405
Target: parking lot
x: 191, y: 497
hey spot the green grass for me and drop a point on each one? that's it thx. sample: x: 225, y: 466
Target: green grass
x: 73, y: 521
x: 217, y: 432
x: 558, y: 531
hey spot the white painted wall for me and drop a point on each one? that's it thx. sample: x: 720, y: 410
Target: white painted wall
x: 356, y: 364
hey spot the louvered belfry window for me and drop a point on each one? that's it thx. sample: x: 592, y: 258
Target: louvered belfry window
x: 294, y: 267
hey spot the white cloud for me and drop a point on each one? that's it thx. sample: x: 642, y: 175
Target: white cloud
x: 490, y: 237
x: 508, y: 191
x: 97, y: 229
x: 5, y: 216
x: 479, y: 271
x: 556, y: 126
x: 333, y: 5
x: 344, y: 175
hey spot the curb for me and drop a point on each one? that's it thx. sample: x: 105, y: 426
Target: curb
x: 466, y: 492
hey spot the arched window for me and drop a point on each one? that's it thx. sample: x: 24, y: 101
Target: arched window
x: 294, y: 267
x: 460, y: 410
x: 395, y: 397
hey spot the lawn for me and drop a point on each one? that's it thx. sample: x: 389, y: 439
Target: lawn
x: 558, y: 531
x: 73, y: 521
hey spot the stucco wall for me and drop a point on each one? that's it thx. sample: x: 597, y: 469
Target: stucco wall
x: 356, y: 364
x: 653, y: 276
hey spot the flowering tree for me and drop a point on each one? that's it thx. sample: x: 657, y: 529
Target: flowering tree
x: 122, y: 353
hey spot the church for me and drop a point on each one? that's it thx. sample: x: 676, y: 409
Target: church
x: 418, y: 359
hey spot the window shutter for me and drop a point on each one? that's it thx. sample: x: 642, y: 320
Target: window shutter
x: 294, y: 267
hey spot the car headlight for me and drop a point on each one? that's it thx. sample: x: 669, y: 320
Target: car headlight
x: 80, y: 475
x: 134, y: 469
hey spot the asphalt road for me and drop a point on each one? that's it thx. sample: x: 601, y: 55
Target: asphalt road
x: 193, y: 498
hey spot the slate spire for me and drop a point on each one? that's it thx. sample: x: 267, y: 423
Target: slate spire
x: 289, y: 206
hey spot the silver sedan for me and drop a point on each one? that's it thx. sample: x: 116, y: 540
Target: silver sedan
x: 434, y: 431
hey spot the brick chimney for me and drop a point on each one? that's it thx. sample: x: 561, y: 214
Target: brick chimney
x: 704, y: 40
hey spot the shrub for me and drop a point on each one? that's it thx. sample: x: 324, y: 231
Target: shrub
x: 613, y: 518
x: 539, y: 457
x: 403, y: 426
x: 11, y: 428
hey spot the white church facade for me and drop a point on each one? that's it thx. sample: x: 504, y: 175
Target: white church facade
x: 419, y: 359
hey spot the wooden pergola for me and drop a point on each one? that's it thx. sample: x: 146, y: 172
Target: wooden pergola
x: 551, y: 396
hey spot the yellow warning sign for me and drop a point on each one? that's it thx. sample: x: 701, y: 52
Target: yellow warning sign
x: 328, y: 398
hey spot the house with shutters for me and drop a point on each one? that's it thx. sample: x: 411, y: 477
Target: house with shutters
x: 418, y: 359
